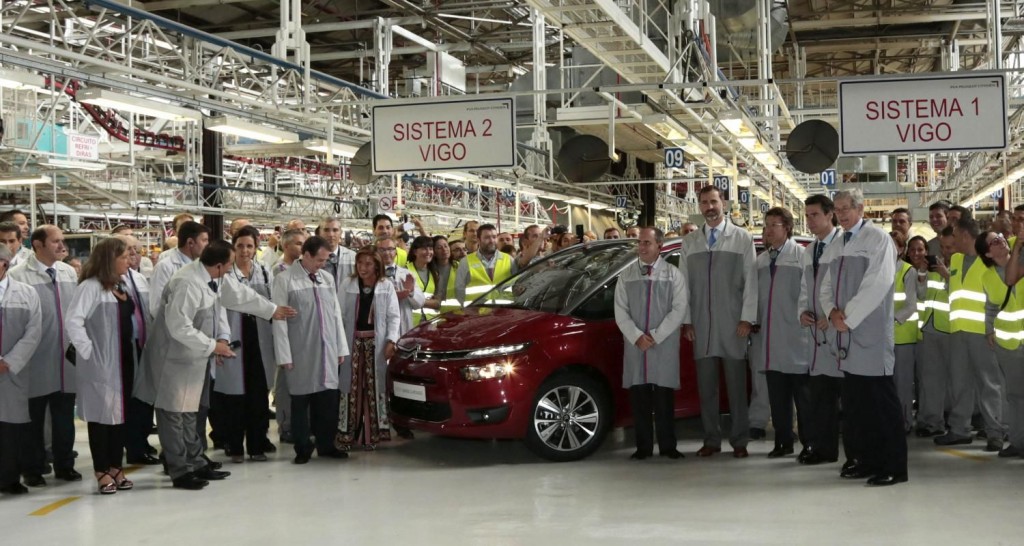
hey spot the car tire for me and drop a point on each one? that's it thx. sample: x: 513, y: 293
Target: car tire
x: 569, y: 418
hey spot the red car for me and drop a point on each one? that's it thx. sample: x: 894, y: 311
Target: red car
x: 539, y: 357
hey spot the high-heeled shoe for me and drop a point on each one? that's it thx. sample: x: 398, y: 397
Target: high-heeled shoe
x: 123, y: 483
x: 106, y: 488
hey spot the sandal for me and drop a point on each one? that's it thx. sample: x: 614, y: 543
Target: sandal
x: 123, y: 484
x: 106, y: 488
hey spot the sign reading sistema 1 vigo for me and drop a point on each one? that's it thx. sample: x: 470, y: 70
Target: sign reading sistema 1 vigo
x: 441, y: 136
x: 944, y: 113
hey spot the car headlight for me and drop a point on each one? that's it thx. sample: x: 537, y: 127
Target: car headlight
x: 493, y: 370
x: 498, y: 350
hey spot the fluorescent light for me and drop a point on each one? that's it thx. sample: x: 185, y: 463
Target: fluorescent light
x: 24, y: 180
x: 72, y: 164
x: 599, y: 206
x: 743, y: 181
x: 576, y: 201
x: 734, y: 123
x: 337, y: 148
x: 767, y: 159
x: 21, y: 79
x: 237, y: 127
x: 666, y: 127
x: 136, y: 105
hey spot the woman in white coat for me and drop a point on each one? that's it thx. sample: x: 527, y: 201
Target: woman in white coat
x: 240, y: 392
x: 369, y: 305
x: 99, y: 325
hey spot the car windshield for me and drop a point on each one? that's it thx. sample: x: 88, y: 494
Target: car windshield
x: 558, y: 282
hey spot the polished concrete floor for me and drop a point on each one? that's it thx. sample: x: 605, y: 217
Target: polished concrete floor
x: 435, y: 490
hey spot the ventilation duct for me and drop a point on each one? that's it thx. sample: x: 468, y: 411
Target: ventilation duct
x: 736, y: 28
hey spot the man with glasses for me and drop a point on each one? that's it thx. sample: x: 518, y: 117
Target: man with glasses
x: 410, y: 297
x: 857, y: 297
x: 341, y: 261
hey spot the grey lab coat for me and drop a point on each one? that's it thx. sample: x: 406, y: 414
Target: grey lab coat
x: 313, y: 341
x: 655, y: 304
x: 860, y: 282
x: 93, y: 328
x: 230, y: 376
x: 386, y: 327
x: 184, y: 335
x: 20, y: 331
x: 820, y: 359
x: 49, y: 371
x: 722, y: 289
x: 782, y: 343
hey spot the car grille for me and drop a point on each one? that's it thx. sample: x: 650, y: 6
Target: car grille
x: 424, y: 411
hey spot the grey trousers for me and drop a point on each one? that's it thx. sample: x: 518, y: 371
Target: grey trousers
x: 1012, y: 365
x: 736, y: 384
x: 179, y: 441
x: 282, y: 404
x: 760, y: 407
x: 932, y: 380
x: 975, y: 375
x: 903, y: 376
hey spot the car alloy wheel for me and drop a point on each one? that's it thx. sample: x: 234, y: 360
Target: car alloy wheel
x: 569, y: 418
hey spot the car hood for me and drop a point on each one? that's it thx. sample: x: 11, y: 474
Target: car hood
x: 476, y: 327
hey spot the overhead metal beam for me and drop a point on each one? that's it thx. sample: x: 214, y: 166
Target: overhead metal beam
x: 886, y: 20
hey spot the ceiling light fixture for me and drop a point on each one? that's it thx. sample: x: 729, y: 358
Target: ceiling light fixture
x: 136, y: 105
x: 24, y: 180
x: 245, y: 129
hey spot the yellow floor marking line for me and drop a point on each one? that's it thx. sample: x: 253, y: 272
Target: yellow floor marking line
x: 963, y: 455
x: 53, y: 506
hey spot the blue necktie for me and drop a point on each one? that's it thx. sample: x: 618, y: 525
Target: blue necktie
x: 819, y: 249
x: 713, y: 238
x: 774, y: 255
x: 846, y: 237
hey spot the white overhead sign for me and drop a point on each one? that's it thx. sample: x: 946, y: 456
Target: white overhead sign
x: 441, y: 136
x: 947, y: 113
x: 83, y: 146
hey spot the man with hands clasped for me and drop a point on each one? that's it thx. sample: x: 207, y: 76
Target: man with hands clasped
x: 650, y: 306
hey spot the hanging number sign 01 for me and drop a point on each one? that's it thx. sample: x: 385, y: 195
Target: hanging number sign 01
x: 674, y: 158
x: 828, y: 177
x: 722, y: 183
x: 744, y: 197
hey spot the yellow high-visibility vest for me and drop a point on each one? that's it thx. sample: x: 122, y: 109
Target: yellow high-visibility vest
x: 424, y: 314
x: 1009, y: 323
x: 908, y: 331
x: 936, y: 304
x: 966, y: 296
x: 479, y: 281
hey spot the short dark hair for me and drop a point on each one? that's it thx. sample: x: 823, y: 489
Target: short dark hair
x: 313, y: 245
x: 946, y: 231
x: 903, y: 210
x: 605, y: 234
x: 120, y: 228
x: 246, y: 231
x: 825, y: 203
x: 380, y: 217
x: 659, y: 235
x: 981, y: 247
x: 940, y: 205
x: 190, y: 230
x: 708, y: 189
x: 40, y: 234
x: 7, y: 227
x: 964, y: 212
x: 216, y: 253
x: 9, y: 215
x: 785, y: 215
x: 918, y: 238
x: 485, y: 227
x: 968, y: 225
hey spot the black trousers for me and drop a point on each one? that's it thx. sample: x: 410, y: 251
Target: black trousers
x: 319, y: 412
x: 138, y: 425
x: 106, y: 443
x: 821, y: 421
x: 12, y: 452
x: 243, y: 417
x: 874, y: 420
x: 785, y: 390
x: 645, y: 400
x: 62, y: 426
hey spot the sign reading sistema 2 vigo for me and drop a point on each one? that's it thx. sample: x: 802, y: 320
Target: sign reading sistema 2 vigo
x: 944, y: 113
x: 441, y: 136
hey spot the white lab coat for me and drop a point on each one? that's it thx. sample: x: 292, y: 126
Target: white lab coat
x: 20, y: 331
x: 386, y: 327
x: 49, y: 371
x: 314, y: 341
x: 168, y: 264
x: 92, y: 325
x: 413, y: 302
x: 230, y: 374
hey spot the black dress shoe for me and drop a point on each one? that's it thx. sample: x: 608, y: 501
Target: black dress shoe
x: 850, y: 463
x: 34, y: 480
x: 301, y: 459
x: 207, y: 473
x: 948, y: 439
x: 817, y: 458
x: 146, y: 459
x: 804, y: 453
x: 856, y: 473
x: 640, y: 455
x: 757, y: 433
x: 887, y: 479
x: 672, y: 454
x: 780, y: 451
x: 1009, y: 451
x: 190, y: 482
x: 211, y: 464
x: 69, y: 475
x: 268, y: 446
x: 151, y: 451
x: 335, y: 454
x: 14, y: 489
x: 925, y: 433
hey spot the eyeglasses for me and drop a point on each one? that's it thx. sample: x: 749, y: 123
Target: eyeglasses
x: 387, y: 250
